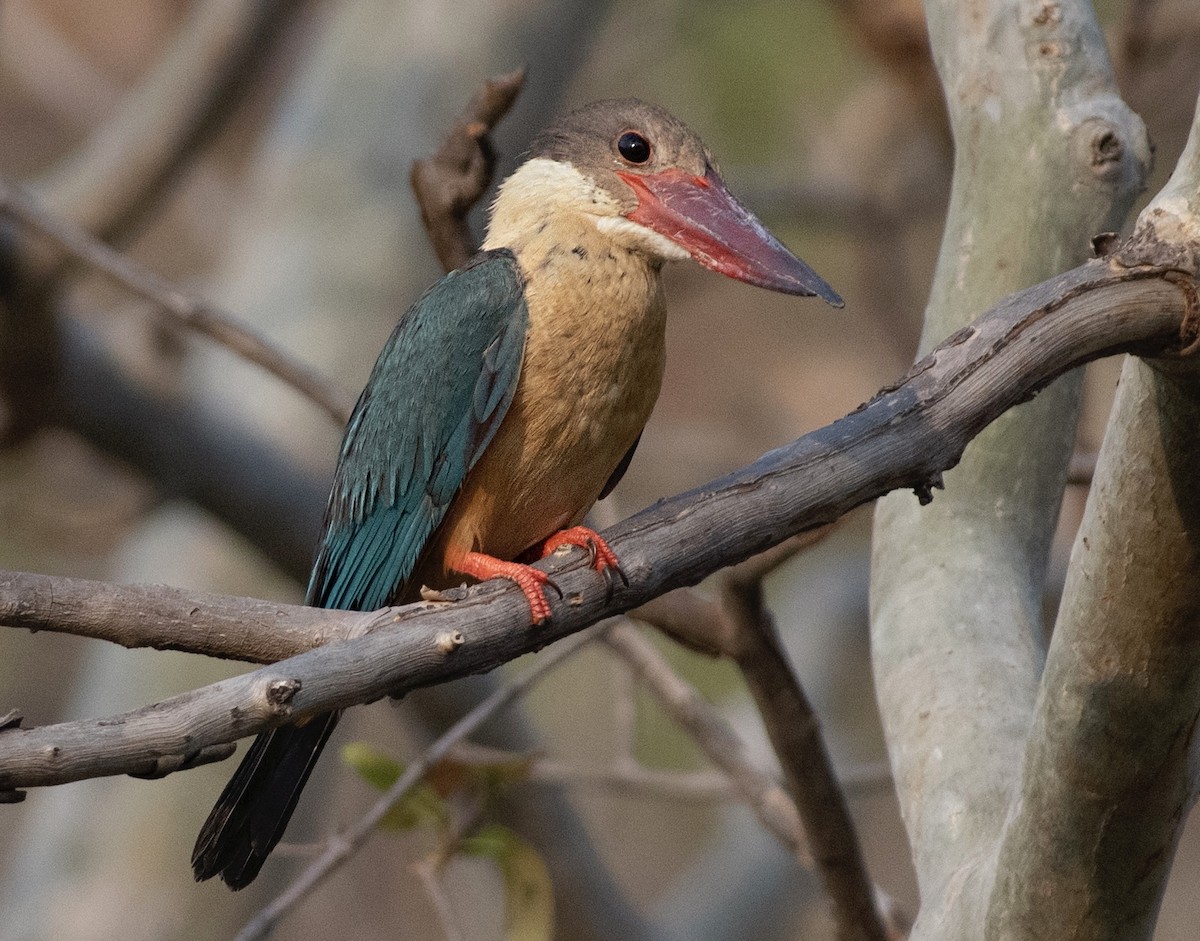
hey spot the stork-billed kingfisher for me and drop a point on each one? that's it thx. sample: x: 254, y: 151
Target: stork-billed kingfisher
x: 508, y: 400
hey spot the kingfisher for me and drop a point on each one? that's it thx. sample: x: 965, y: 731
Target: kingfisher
x: 508, y: 399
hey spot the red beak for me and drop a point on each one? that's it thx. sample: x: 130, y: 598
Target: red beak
x: 700, y: 215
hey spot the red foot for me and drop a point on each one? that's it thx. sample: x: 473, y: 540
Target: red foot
x: 603, y: 559
x: 533, y: 582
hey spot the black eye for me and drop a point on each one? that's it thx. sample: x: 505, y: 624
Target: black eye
x: 633, y: 147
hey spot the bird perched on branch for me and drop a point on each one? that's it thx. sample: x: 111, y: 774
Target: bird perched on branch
x: 509, y: 399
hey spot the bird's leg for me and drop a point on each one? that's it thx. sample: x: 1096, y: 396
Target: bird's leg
x: 603, y: 559
x: 532, y: 582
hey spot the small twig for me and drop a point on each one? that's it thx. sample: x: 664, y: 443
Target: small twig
x: 795, y: 732
x: 633, y: 778
x: 627, y: 775
x: 430, y: 878
x: 180, y: 308
x: 737, y: 623
x: 450, y: 182
x: 465, y: 818
x: 715, y: 737
x: 342, y: 846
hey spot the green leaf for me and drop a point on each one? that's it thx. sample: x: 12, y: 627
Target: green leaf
x: 421, y: 806
x: 377, y: 769
x: 528, y: 893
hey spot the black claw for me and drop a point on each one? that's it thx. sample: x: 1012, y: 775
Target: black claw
x: 611, y: 573
x: 551, y: 583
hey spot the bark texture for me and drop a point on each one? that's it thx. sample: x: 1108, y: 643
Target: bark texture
x: 1046, y: 156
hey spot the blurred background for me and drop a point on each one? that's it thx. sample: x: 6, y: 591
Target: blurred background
x: 292, y: 209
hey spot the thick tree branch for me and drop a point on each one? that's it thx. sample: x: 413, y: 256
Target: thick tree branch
x: 1046, y: 155
x: 342, y: 846
x: 1110, y: 769
x: 905, y: 437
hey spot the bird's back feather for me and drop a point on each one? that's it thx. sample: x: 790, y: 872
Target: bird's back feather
x: 435, y: 399
x: 437, y: 395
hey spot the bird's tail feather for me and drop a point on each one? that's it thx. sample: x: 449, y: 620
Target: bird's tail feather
x: 253, y: 810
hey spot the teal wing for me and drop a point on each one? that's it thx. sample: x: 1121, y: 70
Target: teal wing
x: 437, y: 395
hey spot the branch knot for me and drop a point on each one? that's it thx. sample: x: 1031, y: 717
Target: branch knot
x: 280, y: 694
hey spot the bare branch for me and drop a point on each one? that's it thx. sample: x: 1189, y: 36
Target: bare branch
x: 342, y: 846
x: 626, y: 776
x: 904, y: 437
x: 1046, y: 155
x: 431, y: 880
x: 214, y: 625
x: 638, y: 781
x: 450, y: 182
x: 715, y: 737
x: 179, y: 308
x: 1110, y: 766
x: 739, y: 624
x: 795, y: 733
x: 110, y: 183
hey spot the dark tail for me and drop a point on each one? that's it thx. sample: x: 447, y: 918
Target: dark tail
x: 253, y: 810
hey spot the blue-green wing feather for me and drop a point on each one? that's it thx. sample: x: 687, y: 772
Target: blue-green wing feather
x: 436, y: 396
x: 439, y: 391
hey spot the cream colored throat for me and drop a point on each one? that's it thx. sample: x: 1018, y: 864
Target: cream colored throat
x: 543, y: 194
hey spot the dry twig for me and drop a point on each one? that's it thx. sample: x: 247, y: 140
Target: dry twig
x: 450, y: 182
x: 714, y: 735
x: 343, y: 845
x: 630, y: 777
x: 179, y: 308
x: 795, y: 733
x: 762, y: 793
x: 737, y: 624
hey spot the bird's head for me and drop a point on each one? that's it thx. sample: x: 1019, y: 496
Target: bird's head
x: 649, y: 183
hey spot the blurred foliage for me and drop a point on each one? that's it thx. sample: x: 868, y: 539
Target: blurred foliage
x: 528, y: 892
x: 422, y: 806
